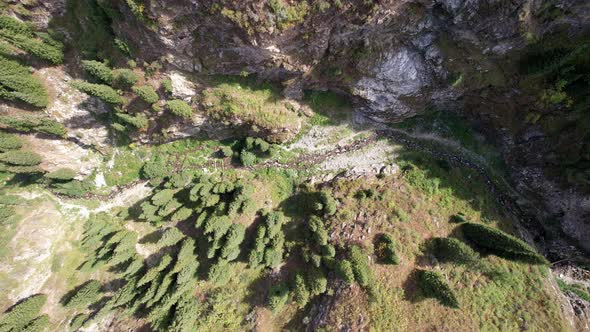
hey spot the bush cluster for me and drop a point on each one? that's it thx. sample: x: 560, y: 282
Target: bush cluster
x: 21, y: 158
x: 21, y: 317
x: 138, y: 121
x: 434, y: 285
x: 386, y: 249
x: 162, y: 292
x: 254, y: 150
x: 156, y: 168
x: 180, y: 108
x: 61, y: 175
x: 326, y: 204
x: 124, y: 78
x: 453, y: 250
x: 9, y: 142
x: 102, y: 92
x: 99, y: 70
x: 72, y: 188
x: 84, y: 295
x: 17, y: 83
x: 278, y: 295
x: 269, y: 242
x: 29, y: 123
x: 500, y: 243
x: 22, y: 36
x: 360, y: 266
x: 146, y: 93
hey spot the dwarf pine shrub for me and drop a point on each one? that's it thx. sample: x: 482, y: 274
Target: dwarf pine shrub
x: 453, y: 250
x: 180, y: 108
x: 434, y: 285
x: 17, y: 83
x: 501, y: 243
x: 124, y: 78
x: 22, y: 313
x: 99, y: 70
x: 86, y: 294
x: 61, y: 175
x: 146, y: 93
x: 100, y: 91
x: 9, y: 142
x: 30, y: 123
x: 386, y: 249
x: 21, y: 158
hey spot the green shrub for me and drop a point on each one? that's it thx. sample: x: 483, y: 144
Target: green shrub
x: 318, y: 230
x: 170, y: 237
x: 179, y: 108
x: 226, y: 151
x: 434, y: 285
x: 24, y: 169
x: 360, y: 266
x: 10, y: 200
x: 458, y: 218
x: 21, y: 158
x: 16, y: 82
x: 39, y: 324
x: 9, y: 142
x: 386, y: 249
x: 219, y: 274
x: 167, y: 86
x: 500, y: 243
x: 268, y: 245
x: 453, y: 250
x: 124, y: 78
x: 84, y: 295
x: 155, y: 169
x: 300, y: 292
x: 6, y: 212
x: 29, y: 123
x: 102, y: 92
x: 344, y: 270
x: 73, y: 188
x: 62, y: 175
x: 146, y: 93
x: 123, y: 47
x: 139, y: 120
x: 162, y: 197
x: 231, y: 248
x: 317, y: 282
x: 22, y: 313
x: 573, y: 288
x: 248, y: 158
x: 99, y: 70
x: 15, y: 26
x: 277, y: 297
x: 328, y: 203
x: 37, y: 44
x: 78, y: 321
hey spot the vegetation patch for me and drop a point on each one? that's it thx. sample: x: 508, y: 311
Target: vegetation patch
x: 237, y: 102
x: 500, y: 243
x: 17, y: 83
x: 434, y: 285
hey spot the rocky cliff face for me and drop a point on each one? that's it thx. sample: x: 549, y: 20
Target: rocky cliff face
x: 395, y: 59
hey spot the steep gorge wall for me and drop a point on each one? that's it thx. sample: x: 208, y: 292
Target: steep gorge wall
x: 394, y: 59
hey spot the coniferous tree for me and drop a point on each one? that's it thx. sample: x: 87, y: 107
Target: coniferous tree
x: 86, y: 294
x: 22, y: 313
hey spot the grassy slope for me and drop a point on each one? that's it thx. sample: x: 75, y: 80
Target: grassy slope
x: 517, y: 297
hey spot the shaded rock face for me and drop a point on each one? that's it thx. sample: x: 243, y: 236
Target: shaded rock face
x: 402, y: 73
x: 393, y: 58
